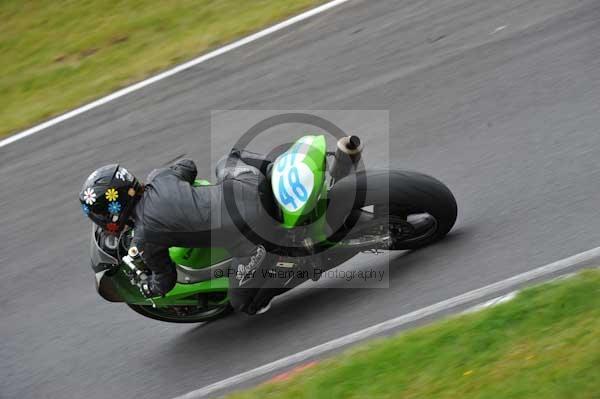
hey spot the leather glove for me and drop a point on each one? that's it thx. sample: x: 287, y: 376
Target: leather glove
x: 185, y: 169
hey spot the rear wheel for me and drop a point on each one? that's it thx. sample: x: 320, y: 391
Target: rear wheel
x: 415, y: 209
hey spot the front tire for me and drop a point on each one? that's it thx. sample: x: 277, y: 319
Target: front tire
x: 171, y: 314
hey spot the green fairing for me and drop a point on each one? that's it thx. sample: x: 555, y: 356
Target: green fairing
x: 177, y: 296
x: 316, y: 153
x: 198, y: 258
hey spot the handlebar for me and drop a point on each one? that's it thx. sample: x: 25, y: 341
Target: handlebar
x: 131, y: 263
x: 133, y: 260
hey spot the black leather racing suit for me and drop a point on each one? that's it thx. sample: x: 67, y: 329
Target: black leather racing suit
x: 172, y: 212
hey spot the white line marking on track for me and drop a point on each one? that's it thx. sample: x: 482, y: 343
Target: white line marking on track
x: 392, y: 324
x: 173, y: 71
x: 509, y: 297
x: 492, y: 302
x: 498, y: 29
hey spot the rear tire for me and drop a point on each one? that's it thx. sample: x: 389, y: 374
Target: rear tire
x: 399, y: 194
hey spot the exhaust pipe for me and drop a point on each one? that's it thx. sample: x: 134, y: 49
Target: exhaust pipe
x: 347, y: 156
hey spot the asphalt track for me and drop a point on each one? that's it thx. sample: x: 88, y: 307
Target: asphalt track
x: 508, y: 118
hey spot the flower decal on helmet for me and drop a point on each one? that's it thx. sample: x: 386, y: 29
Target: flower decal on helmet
x: 85, y: 209
x: 123, y: 174
x: 89, y: 196
x: 114, y: 207
x: 112, y: 227
x: 112, y: 194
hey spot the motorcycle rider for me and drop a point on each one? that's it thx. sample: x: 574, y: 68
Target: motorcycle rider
x: 169, y: 211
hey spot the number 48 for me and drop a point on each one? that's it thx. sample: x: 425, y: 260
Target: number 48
x: 299, y: 192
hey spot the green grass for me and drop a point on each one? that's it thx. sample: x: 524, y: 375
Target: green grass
x: 58, y: 54
x: 543, y: 344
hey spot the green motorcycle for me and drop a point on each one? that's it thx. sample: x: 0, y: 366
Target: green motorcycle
x: 332, y: 210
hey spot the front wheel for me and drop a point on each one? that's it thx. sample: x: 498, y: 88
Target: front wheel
x: 183, y: 314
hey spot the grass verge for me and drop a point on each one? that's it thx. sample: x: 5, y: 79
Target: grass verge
x: 543, y: 344
x: 58, y: 54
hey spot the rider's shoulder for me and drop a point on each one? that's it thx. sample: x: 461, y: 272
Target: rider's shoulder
x: 156, y: 174
x: 183, y: 169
